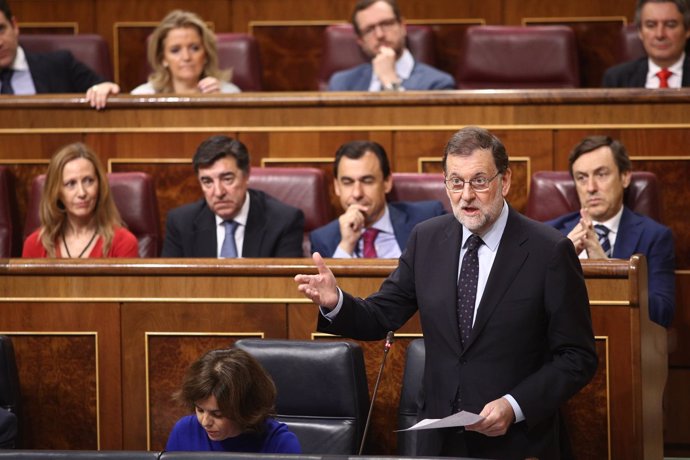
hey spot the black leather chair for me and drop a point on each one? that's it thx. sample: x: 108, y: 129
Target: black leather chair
x: 410, y: 394
x: 322, y: 387
x: 552, y: 194
x: 10, y: 394
x: 239, y: 456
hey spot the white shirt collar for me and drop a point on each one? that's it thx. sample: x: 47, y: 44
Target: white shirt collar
x: 613, y: 223
x: 674, y: 80
x: 19, y: 62
x: 384, y: 224
x: 493, y: 235
x: 241, y: 217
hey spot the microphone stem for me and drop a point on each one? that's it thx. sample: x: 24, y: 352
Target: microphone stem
x: 373, y: 398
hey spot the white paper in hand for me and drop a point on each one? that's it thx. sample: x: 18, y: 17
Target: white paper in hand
x: 461, y: 418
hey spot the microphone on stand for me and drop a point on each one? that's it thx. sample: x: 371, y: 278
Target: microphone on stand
x: 386, y: 348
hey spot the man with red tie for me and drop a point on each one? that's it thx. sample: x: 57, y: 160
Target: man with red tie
x: 370, y: 227
x: 664, y: 28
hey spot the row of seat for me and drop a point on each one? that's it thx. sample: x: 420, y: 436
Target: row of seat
x: 328, y: 419
x: 490, y: 56
x: 552, y: 193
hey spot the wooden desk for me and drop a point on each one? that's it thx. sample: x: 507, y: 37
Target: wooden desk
x: 101, y: 345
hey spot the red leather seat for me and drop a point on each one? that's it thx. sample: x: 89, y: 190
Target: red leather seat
x: 303, y: 188
x: 341, y: 51
x: 90, y: 49
x: 241, y: 53
x: 135, y: 197
x: 509, y: 57
x: 631, y: 45
x: 419, y: 187
x: 552, y: 194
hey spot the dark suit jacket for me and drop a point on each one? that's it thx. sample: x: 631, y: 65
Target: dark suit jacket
x: 274, y: 229
x: 532, y: 336
x: 633, y: 74
x: 423, y: 77
x: 8, y: 429
x: 404, y: 216
x: 639, y: 234
x: 60, y: 72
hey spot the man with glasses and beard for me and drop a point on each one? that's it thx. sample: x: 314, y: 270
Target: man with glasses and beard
x: 503, y: 307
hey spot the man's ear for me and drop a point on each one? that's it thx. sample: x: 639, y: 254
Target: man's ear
x: 388, y: 183
x: 626, y: 177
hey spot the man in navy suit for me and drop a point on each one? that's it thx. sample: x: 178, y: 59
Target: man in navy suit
x: 261, y: 225
x: 664, y: 28
x: 516, y: 349
x: 22, y: 72
x: 601, y: 169
x: 362, y: 179
x: 381, y: 34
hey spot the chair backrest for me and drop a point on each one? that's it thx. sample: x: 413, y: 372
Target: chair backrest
x: 240, y: 52
x: 31, y: 454
x: 135, y: 197
x: 410, y: 397
x: 10, y: 394
x: 507, y: 57
x: 419, y: 187
x: 553, y: 194
x: 236, y: 51
x: 90, y: 49
x: 303, y: 188
x: 341, y: 51
x: 322, y: 390
x: 10, y: 236
x: 631, y: 45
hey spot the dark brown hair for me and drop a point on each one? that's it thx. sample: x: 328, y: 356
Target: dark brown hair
x: 590, y: 143
x: 244, y: 391
x: 471, y: 138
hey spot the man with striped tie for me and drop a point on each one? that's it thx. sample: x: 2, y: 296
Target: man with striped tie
x: 605, y: 228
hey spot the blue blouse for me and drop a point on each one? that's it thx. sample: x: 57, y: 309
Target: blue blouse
x: 189, y: 435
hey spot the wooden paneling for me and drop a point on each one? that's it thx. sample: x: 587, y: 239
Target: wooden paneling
x: 156, y: 318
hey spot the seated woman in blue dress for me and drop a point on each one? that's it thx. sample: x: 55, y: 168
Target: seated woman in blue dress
x: 233, y: 399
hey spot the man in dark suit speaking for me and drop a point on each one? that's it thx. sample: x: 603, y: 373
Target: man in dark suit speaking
x: 664, y: 28
x: 503, y: 307
x: 22, y: 72
x: 231, y: 220
x: 369, y: 227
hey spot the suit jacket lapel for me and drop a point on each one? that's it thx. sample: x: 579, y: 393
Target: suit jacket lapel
x: 37, y: 73
x: 447, y: 259
x: 363, y: 78
x: 400, y: 227
x: 629, y: 231
x: 509, y: 258
x: 256, y: 225
x: 205, y: 238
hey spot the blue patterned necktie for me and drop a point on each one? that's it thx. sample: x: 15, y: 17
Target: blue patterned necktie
x: 229, y: 249
x: 467, y: 287
x: 603, y: 234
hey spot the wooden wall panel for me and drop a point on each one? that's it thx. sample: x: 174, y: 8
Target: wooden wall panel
x: 515, y: 10
x: 168, y: 357
x: 68, y: 358
x: 220, y: 322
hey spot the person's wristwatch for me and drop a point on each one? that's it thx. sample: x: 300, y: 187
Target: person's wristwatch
x: 393, y: 86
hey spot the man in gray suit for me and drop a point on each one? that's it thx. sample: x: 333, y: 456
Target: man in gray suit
x: 381, y: 34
